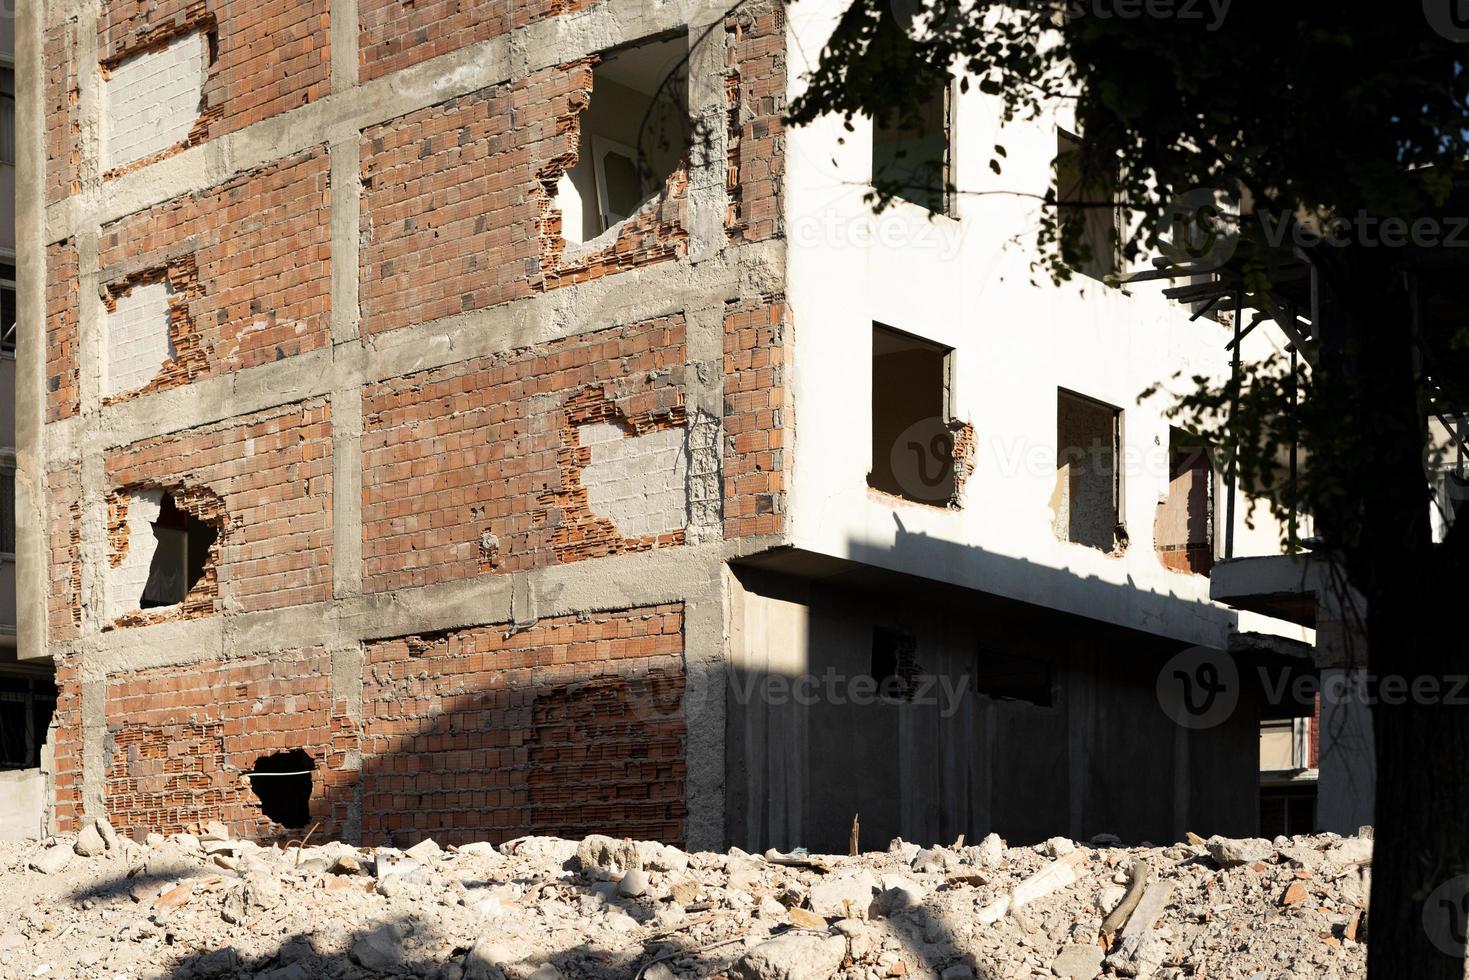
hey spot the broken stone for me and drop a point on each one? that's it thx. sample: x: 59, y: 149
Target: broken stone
x: 991, y: 851
x: 930, y: 859
x: 379, y: 950
x: 106, y: 831
x: 1353, y: 850
x: 898, y: 895
x: 486, y: 960
x: 633, y: 884
x: 214, y: 830
x: 89, y: 842
x: 480, y: 849
x: 425, y: 851
x: 684, y: 891
x: 1295, y: 894
x: 793, y: 956
x: 1057, y: 847
x: 601, y: 853
x: 52, y: 859
x: 1231, y: 853
x: 653, y: 856
x: 804, y: 919
x: 845, y: 895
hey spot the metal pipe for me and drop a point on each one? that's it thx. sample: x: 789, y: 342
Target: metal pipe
x: 1232, y: 474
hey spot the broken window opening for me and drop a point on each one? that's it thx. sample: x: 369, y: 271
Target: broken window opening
x: 911, y: 151
x: 1086, y: 212
x: 1088, y: 491
x: 282, y: 784
x: 180, y: 556
x: 1005, y: 677
x: 912, y: 431
x: 139, y: 332
x: 26, y: 707
x: 1183, y: 530
x: 633, y: 136
x: 894, y: 664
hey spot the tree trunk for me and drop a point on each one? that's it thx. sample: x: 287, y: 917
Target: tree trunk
x: 1416, y: 924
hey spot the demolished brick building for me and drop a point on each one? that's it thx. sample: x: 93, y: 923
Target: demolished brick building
x: 482, y: 418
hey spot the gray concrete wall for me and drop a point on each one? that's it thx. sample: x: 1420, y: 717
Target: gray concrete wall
x: 1102, y: 758
x: 22, y: 804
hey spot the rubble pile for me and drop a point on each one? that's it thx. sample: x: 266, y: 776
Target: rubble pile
x: 539, y: 908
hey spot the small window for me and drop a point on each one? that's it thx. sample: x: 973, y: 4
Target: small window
x: 633, y: 136
x: 1008, y: 678
x: 26, y: 706
x: 1183, y: 531
x: 1086, y: 211
x: 183, y: 543
x: 7, y: 512
x: 895, y: 664
x: 912, y: 440
x: 1087, y: 491
x: 911, y: 152
x: 7, y: 308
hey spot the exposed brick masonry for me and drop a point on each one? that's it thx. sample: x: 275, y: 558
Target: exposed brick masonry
x: 268, y: 57
x: 179, y: 739
x: 250, y: 261
x: 63, y: 542
x: 63, y: 125
x: 473, y: 467
x: 62, y: 391
x: 272, y: 473
x: 758, y: 409
x: 572, y: 726
x: 457, y: 212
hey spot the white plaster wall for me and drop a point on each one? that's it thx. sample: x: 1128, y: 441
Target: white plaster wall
x: 967, y: 283
x: 22, y: 804
x: 640, y: 483
x: 125, y: 580
x: 138, y: 342
x: 152, y: 101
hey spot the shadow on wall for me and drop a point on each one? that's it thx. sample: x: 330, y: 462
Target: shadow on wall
x: 925, y: 710
x: 930, y: 711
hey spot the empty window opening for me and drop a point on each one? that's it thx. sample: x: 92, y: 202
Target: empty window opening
x: 152, y: 100
x: 7, y: 308
x: 180, y: 555
x: 158, y: 553
x: 1003, y: 677
x: 910, y: 151
x: 895, y: 664
x: 1086, y: 211
x: 282, y: 784
x: 633, y: 136
x: 1183, y: 531
x: 139, y: 341
x: 26, y: 706
x: 1088, y: 485
x: 912, y: 435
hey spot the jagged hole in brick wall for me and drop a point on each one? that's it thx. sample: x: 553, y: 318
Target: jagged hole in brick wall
x: 282, y: 784
x: 634, y: 135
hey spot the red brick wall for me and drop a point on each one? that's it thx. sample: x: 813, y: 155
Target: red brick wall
x: 260, y: 247
x: 270, y: 56
x: 473, y: 467
x: 66, y: 722
x: 755, y: 90
x: 398, y: 33
x: 62, y: 394
x: 63, y: 543
x: 456, y: 206
x: 570, y: 727
x: 63, y: 156
x: 758, y: 418
x: 178, y: 739
x: 272, y: 471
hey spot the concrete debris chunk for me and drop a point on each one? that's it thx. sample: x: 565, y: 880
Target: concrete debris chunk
x: 106, y: 831
x: 601, y: 853
x: 1231, y: 853
x: 52, y: 860
x: 843, y: 895
x: 1353, y: 850
x: 89, y: 842
x: 793, y: 956
x: 1078, y: 962
x: 991, y: 851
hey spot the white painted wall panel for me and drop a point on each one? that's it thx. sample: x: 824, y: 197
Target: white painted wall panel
x: 151, y: 101
x: 138, y: 342
x: 640, y: 483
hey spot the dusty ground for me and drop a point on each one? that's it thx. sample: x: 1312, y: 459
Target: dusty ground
x: 203, y: 905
